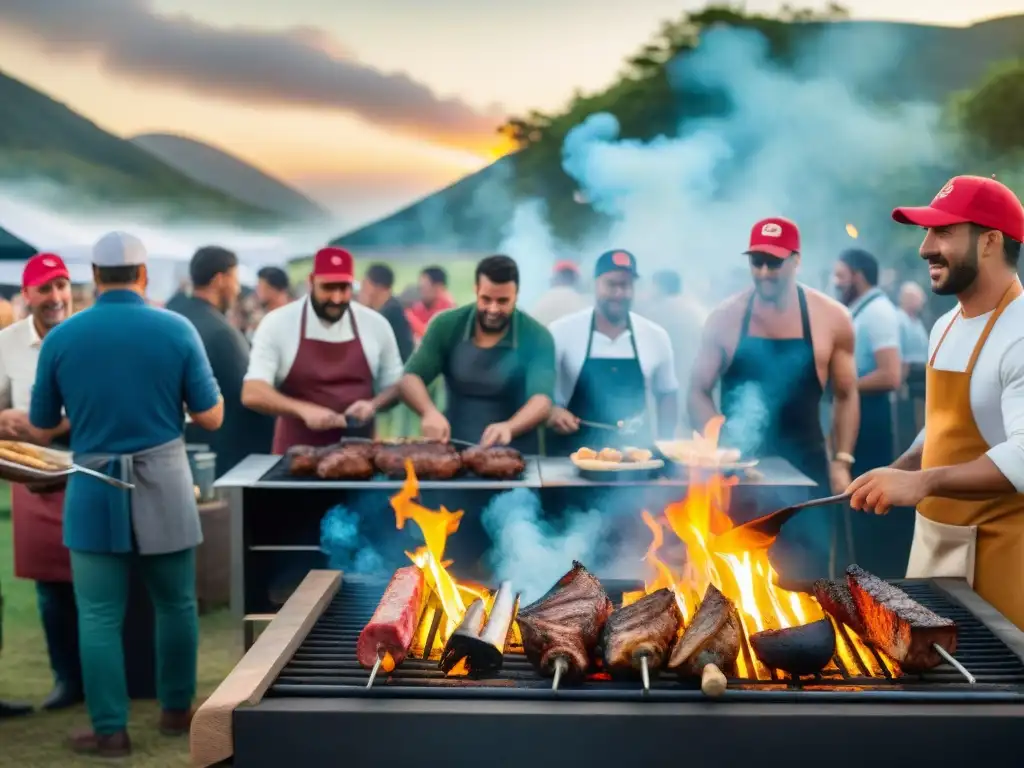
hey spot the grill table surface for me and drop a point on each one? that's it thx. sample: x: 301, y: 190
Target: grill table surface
x: 267, y: 471
x: 318, y: 710
x: 560, y: 472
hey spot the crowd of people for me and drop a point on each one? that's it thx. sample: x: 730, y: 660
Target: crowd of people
x: 827, y: 382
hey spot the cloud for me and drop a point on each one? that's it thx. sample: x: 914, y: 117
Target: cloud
x: 299, y: 67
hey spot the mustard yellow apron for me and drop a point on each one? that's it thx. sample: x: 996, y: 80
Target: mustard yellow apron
x: 981, y: 541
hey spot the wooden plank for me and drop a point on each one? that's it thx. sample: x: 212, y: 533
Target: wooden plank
x: 211, y: 739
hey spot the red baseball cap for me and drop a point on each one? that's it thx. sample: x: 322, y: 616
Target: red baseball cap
x: 974, y: 199
x: 334, y: 265
x: 566, y: 266
x: 776, y: 237
x: 42, y: 268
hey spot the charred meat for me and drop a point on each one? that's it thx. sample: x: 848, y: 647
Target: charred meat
x: 712, y: 637
x: 835, y: 598
x: 345, y: 464
x: 303, y: 460
x: 898, y: 625
x: 497, y: 463
x: 566, y: 623
x: 803, y: 650
x: 430, y: 460
x: 646, y: 628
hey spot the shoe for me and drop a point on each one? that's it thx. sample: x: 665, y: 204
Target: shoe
x: 14, y: 709
x: 176, y: 722
x: 63, y: 696
x: 112, y: 745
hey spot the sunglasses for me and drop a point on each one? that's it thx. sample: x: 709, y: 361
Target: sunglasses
x: 758, y: 260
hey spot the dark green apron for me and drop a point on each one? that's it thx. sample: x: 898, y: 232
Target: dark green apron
x: 485, y: 386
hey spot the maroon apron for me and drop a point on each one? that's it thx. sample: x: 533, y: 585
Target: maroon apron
x: 39, y: 551
x: 331, y: 374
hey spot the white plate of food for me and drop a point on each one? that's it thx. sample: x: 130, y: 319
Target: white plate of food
x: 613, y: 460
x: 701, y: 454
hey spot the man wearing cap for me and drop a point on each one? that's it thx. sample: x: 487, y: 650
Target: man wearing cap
x: 772, y: 349
x: 497, y: 363
x: 39, y: 551
x: 609, y: 363
x: 563, y: 297
x: 965, y: 472
x: 126, y: 373
x: 326, y: 365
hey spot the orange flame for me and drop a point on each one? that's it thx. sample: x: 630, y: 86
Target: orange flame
x: 745, y: 576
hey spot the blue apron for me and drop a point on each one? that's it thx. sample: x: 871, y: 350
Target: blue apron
x: 771, y: 400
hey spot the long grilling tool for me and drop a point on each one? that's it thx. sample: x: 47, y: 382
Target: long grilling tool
x: 763, y: 530
x: 622, y: 426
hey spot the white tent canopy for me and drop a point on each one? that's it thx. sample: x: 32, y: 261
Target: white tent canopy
x: 170, y: 248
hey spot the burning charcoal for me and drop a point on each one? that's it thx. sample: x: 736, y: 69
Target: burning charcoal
x: 642, y: 630
x: 561, y: 630
x: 803, y: 650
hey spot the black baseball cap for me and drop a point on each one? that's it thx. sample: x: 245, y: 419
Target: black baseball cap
x: 618, y: 260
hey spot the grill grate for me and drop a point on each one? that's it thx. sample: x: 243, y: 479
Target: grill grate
x: 325, y: 664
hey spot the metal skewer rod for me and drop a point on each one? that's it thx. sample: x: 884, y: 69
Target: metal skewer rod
x: 645, y: 674
x: 561, y: 667
x: 376, y: 667
x: 954, y: 663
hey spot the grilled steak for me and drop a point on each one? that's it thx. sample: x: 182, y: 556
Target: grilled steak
x: 345, y: 464
x: 897, y: 624
x: 430, y: 461
x: 303, y: 460
x: 566, y: 623
x: 835, y: 599
x: 713, y: 637
x: 645, y: 628
x: 498, y: 463
x: 393, y: 624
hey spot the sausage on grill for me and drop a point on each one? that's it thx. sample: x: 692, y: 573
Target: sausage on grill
x: 899, y: 625
x: 394, y: 623
x: 303, y: 460
x: 345, y: 464
x: 430, y: 460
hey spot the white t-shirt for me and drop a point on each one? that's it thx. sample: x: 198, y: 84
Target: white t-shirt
x: 997, y: 385
x: 19, y: 356
x: 653, y: 347
x: 276, y: 342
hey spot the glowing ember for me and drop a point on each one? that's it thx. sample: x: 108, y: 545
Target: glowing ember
x: 743, y: 575
x: 852, y: 231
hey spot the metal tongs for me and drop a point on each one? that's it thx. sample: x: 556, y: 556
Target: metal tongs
x: 622, y: 426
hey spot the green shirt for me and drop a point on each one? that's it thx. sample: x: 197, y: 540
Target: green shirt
x: 530, y: 340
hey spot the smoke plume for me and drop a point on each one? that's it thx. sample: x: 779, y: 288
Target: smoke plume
x: 346, y: 547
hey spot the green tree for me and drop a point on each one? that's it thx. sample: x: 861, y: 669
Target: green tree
x: 990, y: 114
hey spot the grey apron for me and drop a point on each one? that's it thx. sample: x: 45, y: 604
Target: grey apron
x: 486, y: 386
x: 162, y: 507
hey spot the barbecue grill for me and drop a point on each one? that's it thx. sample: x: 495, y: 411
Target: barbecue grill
x: 299, y: 698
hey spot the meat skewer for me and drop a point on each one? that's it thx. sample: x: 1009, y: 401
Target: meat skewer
x: 915, y: 637
x: 639, y: 636
x: 561, y: 629
x: 710, y: 644
x: 835, y: 598
x: 385, y: 640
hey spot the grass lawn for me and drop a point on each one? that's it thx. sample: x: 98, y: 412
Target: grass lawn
x: 37, y: 741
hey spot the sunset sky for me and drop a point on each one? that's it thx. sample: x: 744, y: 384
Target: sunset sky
x: 364, y: 106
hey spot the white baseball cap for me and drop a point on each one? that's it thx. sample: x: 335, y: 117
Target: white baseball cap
x: 118, y: 249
